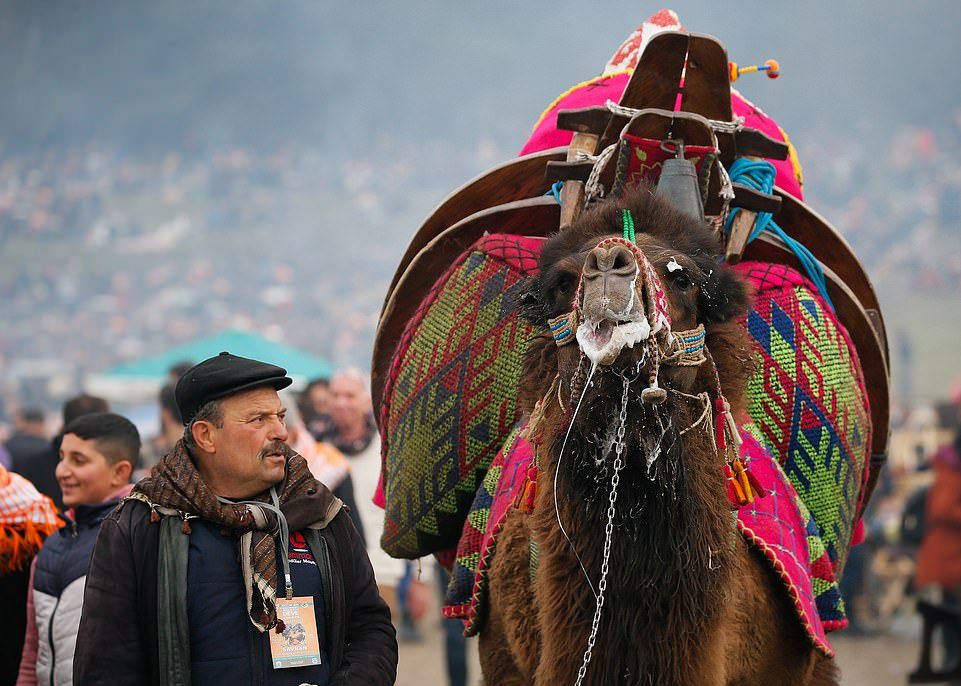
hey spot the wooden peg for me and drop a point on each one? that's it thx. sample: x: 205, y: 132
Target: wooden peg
x: 741, y: 229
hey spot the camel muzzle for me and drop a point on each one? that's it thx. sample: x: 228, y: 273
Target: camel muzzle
x: 612, y: 303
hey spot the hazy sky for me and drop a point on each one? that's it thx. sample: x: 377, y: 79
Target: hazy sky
x: 339, y: 74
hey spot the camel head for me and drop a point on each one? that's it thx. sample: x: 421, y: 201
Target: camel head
x: 622, y: 303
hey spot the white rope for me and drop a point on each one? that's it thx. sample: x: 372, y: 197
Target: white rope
x: 704, y: 398
x: 592, y: 187
x: 560, y: 457
x: 620, y: 110
x: 732, y: 126
x: 727, y: 188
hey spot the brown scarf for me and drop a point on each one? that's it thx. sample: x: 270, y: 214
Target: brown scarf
x: 175, y: 483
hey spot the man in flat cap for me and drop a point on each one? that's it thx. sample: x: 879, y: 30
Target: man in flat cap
x: 231, y: 564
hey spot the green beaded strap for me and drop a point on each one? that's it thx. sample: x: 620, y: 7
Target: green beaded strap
x: 627, y: 221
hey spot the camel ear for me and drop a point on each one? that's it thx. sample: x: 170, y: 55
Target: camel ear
x: 723, y: 296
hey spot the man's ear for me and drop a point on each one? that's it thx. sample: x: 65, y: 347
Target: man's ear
x: 203, y: 435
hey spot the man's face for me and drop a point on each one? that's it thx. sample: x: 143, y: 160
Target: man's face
x: 85, y: 475
x: 320, y: 398
x: 349, y: 400
x: 250, y: 445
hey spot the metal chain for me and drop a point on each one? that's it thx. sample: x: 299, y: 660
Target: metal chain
x: 608, y: 535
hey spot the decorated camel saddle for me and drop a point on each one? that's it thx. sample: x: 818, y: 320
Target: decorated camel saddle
x: 629, y: 383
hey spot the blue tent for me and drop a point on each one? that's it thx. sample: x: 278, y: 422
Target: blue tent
x: 144, y: 377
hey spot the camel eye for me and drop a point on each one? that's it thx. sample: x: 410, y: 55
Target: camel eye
x: 565, y: 286
x: 680, y: 280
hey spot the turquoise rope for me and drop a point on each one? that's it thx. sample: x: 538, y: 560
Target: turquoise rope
x: 555, y: 190
x: 760, y: 176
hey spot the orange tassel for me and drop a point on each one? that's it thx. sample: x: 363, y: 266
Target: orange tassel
x: 525, y: 499
x: 738, y: 467
x: 185, y: 527
x: 154, y: 516
x: 735, y: 493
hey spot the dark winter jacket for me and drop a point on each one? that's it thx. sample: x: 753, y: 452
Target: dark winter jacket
x: 134, y: 628
x: 57, y: 591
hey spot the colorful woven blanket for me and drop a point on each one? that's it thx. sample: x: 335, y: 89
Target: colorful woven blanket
x: 450, y: 397
x: 808, y: 400
x: 778, y: 525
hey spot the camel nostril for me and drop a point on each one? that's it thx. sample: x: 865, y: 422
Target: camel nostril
x: 622, y: 260
x: 604, y: 259
x: 592, y: 264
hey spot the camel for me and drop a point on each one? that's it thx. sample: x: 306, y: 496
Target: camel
x: 631, y: 510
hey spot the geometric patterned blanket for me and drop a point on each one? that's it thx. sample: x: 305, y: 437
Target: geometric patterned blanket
x: 778, y: 525
x: 450, y: 393
x: 808, y: 400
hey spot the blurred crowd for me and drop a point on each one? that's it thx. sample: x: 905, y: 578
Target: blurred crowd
x: 152, y: 249
x: 329, y: 423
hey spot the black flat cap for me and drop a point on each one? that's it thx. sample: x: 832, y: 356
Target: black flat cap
x: 223, y: 375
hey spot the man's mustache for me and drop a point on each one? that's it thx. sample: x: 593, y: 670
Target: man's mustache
x: 274, y: 448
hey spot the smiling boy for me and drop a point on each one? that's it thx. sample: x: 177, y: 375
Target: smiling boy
x: 97, y: 455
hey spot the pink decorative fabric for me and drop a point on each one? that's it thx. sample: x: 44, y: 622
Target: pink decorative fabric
x: 776, y: 525
x: 610, y: 86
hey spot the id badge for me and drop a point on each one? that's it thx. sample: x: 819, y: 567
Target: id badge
x: 298, y: 645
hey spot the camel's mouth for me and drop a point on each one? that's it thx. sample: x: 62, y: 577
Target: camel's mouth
x: 603, y: 341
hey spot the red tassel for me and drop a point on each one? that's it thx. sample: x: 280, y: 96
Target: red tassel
x: 279, y: 628
x: 185, y: 527
x: 154, y: 517
x: 759, y: 491
x: 720, y: 422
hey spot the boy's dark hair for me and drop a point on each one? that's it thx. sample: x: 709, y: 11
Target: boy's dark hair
x: 116, y: 437
x: 81, y: 405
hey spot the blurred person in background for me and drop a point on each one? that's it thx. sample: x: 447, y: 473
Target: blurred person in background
x: 354, y: 433
x: 939, y: 558
x: 41, y: 468
x: 326, y: 463
x: 178, y: 370
x: 30, y: 453
x: 97, y: 455
x: 171, y: 431
x: 315, y: 407
x: 27, y: 517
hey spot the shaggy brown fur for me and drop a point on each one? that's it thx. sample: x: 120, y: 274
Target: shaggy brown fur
x: 687, y: 601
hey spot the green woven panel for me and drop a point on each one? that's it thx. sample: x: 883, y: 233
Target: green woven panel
x: 450, y: 398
